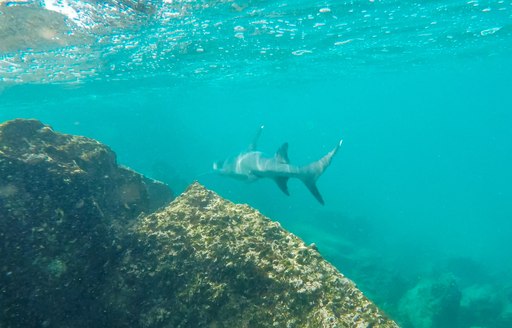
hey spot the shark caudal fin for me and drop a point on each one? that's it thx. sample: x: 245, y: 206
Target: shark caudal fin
x: 310, y: 173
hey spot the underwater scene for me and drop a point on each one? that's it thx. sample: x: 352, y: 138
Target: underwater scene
x: 417, y: 199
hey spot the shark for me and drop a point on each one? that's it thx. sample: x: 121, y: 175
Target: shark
x: 252, y: 165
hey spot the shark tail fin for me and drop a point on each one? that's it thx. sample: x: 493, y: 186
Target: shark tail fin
x: 310, y: 173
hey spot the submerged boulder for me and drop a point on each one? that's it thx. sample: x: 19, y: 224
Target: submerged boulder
x: 65, y: 205
x: 433, y: 302
x: 205, y: 261
x: 76, y: 249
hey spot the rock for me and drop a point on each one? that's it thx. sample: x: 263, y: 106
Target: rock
x: 485, y: 304
x: 433, y: 302
x: 204, y: 261
x: 76, y: 249
x: 64, y: 207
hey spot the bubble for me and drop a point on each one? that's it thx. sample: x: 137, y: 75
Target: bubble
x: 340, y: 43
x: 490, y: 31
x: 301, y: 52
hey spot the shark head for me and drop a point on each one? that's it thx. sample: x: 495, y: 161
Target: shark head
x: 225, y: 167
x: 218, y: 167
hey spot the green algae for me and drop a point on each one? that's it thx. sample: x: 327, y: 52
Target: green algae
x: 56, y: 268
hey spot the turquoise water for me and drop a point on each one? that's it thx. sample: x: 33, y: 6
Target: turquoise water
x: 418, y: 200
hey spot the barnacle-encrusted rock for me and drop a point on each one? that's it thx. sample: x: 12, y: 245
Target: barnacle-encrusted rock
x: 204, y: 261
x: 64, y: 207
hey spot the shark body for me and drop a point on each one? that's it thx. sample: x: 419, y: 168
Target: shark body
x: 253, y: 165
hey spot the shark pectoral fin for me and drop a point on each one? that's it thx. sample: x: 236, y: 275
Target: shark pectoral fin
x: 311, y: 184
x: 282, y: 183
x: 282, y: 154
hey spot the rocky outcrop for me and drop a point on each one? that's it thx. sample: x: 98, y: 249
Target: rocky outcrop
x: 65, y: 205
x: 432, y: 303
x: 206, y: 261
x: 76, y: 250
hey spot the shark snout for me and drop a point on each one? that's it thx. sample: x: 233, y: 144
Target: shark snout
x: 217, y: 166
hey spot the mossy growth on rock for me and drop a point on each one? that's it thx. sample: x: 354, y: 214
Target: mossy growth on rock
x: 206, y: 262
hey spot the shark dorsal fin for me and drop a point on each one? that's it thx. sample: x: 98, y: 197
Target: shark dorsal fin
x: 282, y: 154
x: 254, y: 145
x: 282, y: 183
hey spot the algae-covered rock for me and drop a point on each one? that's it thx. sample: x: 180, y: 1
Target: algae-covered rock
x: 204, y: 261
x: 432, y: 303
x: 64, y: 207
x: 77, y: 250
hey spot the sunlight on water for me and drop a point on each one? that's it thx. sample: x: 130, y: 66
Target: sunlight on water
x: 76, y: 41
